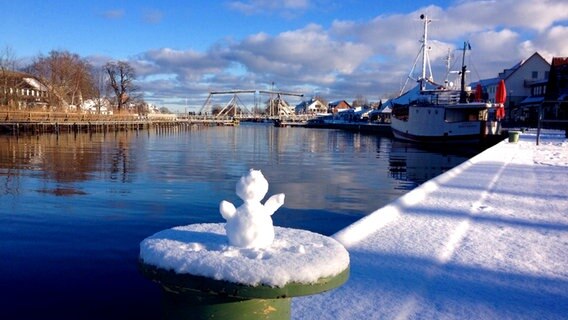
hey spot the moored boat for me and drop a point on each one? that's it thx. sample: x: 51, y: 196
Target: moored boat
x: 440, y: 113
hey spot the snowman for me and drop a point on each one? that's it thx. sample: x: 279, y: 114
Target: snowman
x: 250, y: 225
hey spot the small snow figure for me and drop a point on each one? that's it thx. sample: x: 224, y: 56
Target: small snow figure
x: 250, y: 225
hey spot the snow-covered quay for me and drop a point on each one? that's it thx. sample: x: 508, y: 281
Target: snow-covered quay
x: 485, y: 240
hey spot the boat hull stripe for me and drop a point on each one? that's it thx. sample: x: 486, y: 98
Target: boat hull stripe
x: 448, y: 138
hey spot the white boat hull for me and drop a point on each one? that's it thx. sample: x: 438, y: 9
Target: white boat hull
x: 437, y: 124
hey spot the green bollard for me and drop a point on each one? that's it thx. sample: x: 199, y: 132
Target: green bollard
x: 187, y: 296
x: 202, y: 277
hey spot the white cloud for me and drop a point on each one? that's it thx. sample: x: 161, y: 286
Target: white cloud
x: 495, y: 45
x: 114, y: 14
x: 550, y: 43
x: 370, y: 58
x: 282, y: 7
x: 152, y: 16
x: 189, y: 65
x: 299, y: 54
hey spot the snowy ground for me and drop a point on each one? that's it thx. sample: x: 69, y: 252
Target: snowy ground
x: 486, y: 240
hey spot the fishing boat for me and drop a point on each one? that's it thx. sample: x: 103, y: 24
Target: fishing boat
x: 433, y: 112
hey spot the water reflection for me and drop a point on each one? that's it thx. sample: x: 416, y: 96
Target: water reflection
x: 416, y: 163
x: 78, y: 205
x: 318, y: 169
x: 64, y: 160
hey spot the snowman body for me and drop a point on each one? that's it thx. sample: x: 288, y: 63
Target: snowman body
x: 250, y: 225
x: 250, y: 228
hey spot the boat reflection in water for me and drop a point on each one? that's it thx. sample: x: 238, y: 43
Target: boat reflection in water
x: 417, y: 163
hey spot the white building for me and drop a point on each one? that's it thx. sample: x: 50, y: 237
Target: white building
x: 518, y: 80
x: 312, y: 106
x: 97, y: 106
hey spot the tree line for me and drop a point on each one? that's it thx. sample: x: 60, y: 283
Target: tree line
x: 70, y: 79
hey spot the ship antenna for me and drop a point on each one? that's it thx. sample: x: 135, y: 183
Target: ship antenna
x: 448, y: 66
x: 463, y: 94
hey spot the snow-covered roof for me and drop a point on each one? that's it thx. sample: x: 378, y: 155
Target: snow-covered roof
x: 486, y: 82
x: 532, y: 100
x: 405, y: 98
x: 35, y: 84
x: 386, y: 109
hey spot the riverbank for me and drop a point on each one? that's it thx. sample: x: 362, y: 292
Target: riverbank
x: 485, y: 240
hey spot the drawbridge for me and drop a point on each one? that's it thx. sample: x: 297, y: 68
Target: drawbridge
x: 276, y: 107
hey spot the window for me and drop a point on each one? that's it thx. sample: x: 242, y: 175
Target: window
x: 535, y: 74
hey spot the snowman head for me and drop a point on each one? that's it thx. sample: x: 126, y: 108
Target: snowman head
x: 252, y: 187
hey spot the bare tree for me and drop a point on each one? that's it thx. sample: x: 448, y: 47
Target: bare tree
x: 100, y: 87
x: 8, y: 64
x: 360, y: 101
x: 121, y: 78
x: 165, y: 110
x: 390, y: 95
x: 67, y: 76
x: 8, y: 59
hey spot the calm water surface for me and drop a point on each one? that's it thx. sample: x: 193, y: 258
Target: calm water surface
x: 74, y: 208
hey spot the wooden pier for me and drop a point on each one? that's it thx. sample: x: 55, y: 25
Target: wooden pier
x: 59, y: 122
x: 20, y: 122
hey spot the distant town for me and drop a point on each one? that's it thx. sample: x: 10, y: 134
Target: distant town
x: 65, y: 82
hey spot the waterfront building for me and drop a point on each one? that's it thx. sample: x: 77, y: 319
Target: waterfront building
x: 338, y: 106
x: 312, y: 106
x: 22, y: 91
x: 556, y: 97
x: 519, y: 81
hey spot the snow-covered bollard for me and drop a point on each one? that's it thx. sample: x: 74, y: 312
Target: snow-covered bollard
x: 244, y: 269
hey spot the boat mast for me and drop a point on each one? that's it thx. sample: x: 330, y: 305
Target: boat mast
x: 425, y: 57
x: 425, y: 60
x: 463, y: 94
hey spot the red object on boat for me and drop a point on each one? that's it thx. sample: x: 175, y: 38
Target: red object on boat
x: 501, y: 93
x: 478, y: 93
x: 500, y: 112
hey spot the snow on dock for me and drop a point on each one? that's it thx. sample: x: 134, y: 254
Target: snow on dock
x: 485, y: 240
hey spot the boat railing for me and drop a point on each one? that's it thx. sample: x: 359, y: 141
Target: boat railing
x: 446, y: 97
x: 440, y: 97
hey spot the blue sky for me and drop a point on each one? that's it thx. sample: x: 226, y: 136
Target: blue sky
x: 337, y: 49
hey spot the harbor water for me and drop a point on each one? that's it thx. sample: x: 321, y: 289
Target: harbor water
x: 74, y: 207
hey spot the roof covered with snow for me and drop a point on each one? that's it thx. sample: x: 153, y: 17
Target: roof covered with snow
x: 34, y: 83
